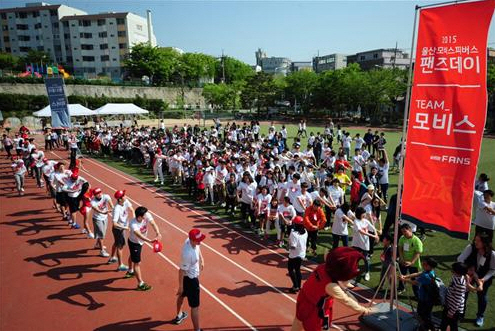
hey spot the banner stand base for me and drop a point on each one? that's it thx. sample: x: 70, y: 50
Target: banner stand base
x: 386, y: 319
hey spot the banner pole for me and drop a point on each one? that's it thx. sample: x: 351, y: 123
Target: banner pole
x: 393, y: 292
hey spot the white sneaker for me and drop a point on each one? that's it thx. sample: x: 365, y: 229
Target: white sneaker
x: 22, y: 189
x: 84, y: 231
x: 104, y: 253
x: 91, y: 235
x: 367, y: 276
x: 156, y: 180
x: 161, y: 183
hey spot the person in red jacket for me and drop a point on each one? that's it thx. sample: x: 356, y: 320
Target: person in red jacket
x: 314, y: 220
x: 326, y: 284
x: 355, y: 190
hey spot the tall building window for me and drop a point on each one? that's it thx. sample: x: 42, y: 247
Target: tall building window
x: 55, y: 25
x: 4, y: 16
x: 26, y: 49
x: 362, y: 58
x: 103, y: 46
x: 65, y: 24
x: 53, y: 13
x: 122, y: 46
x: 88, y: 58
x: 121, y: 33
x: 85, y: 35
x: 37, y: 26
x: 24, y: 38
x: 5, y: 27
x: 375, y: 56
x: 87, y: 47
x: 23, y: 15
x: 105, y: 58
x: 120, y: 21
x: 36, y: 13
x: 6, y: 39
x: 84, y: 23
x: 102, y: 34
x: 22, y: 27
x: 101, y: 22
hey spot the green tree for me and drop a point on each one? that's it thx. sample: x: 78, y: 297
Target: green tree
x: 8, y: 61
x: 300, y: 86
x: 260, y: 91
x: 198, y: 66
x: 234, y: 70
x: 35, y: 56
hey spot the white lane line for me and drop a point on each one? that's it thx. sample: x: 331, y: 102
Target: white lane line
x: 223, y: 304
x: 148, y: 187
x: 240, y: 318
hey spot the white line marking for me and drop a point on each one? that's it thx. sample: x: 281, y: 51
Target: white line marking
x: 449, y: 85
x: 147, y: 187
x: 442, y: 146
x: 246, y: 323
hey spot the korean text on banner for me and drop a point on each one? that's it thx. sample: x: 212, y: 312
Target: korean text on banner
x: 447, y: 116
x: 58, y: 102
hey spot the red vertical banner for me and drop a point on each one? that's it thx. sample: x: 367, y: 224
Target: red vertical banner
x: 447, y: 116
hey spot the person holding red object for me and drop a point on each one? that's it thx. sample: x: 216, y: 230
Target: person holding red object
x: 326, y: 284
x: 85, y: 211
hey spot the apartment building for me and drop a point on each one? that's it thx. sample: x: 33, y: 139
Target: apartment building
x: 87, y: 45
x: 381, y: 58
x: 98, y: 44
x: 35, y: 26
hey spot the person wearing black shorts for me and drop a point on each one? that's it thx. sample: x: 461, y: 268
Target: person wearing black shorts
x: 120, y: 224
x: 138, y: 235
x: 191, y: 263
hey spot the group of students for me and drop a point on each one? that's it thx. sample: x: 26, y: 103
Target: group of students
x: 73, y: 197
x: 299, y: 191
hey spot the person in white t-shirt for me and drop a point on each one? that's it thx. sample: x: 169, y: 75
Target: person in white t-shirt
x: 192, y: 263
x: 262, y: 207
x: 297, y: 252
x: 74, y: 186
x: 383, y: 167
x: 343, y: 217
x: 303, y: 200
x: 286, y: 214
x: 19, y: 170
x: 346, y: 144
x: 158, y: 165
x: 485, y: 213
x: 138, y: 235
x: 102, y: 205
x: 359, y: 141
x: 121, y: 211
x: 362, y: 231
x: 246, y: 191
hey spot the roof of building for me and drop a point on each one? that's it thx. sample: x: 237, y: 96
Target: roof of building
x: 398, y: 50
x: 29, y: 9
x: 94, y: 16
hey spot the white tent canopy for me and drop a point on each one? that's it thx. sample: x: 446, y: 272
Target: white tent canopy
x: 120, y: 109
x: 74, y: 110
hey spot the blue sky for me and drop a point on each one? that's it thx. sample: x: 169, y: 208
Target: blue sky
x: 294, y: 29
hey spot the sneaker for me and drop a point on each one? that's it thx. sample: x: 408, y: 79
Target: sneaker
x: 401, y: 291
x: 91, y: 235
x: 122, y: 267
x: 161, y: 183
x: 143, y: 287
x: 104, y: 253
x: 84, y: 231
x: 129, y: 274
x: 281, y: 244
x: 180, y: 319
x: 112, y: 260
x: 75, y: 226
x: 156, y: 180
x: 367, y: 276
x: 327, y: 228
x: 479, y: 321
x: 22, y: 189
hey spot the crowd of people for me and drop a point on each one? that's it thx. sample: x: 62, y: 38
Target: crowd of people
x: 331, y: 181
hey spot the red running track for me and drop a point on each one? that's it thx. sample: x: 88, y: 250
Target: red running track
x: 53, y: 278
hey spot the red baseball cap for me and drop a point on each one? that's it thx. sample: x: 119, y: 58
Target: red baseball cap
x: 119, y: 194
x: 298, y: 220
x: 157, y: 246
x: 196, y: 235
x: 45, y: 159
x: 96, y: 190
x: 75, y: 174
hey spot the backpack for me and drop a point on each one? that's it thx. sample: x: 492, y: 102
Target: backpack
x: 437, y: 291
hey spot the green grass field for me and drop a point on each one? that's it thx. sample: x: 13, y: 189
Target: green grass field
x: 437, y: 245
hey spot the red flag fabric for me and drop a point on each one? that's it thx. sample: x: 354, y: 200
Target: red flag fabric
x: 447, y: 116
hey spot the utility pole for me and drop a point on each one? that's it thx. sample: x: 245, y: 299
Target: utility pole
x: 223, y: 67
x: 395, y: 55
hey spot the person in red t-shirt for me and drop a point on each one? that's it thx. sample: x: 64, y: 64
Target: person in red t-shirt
x: 326, y: 284
x: 314, y: 220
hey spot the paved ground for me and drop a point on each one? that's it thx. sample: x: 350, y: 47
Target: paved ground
x: 53, y: 279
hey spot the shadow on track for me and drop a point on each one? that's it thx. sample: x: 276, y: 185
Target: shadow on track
x: 56, y: 257
x: 84, y: 290
x: 133, y: 325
